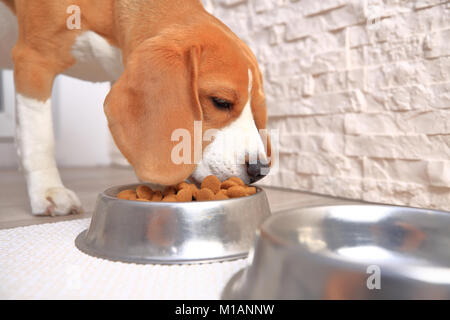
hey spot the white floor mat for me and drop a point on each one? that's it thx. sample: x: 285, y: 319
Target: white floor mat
x: 42, y: 262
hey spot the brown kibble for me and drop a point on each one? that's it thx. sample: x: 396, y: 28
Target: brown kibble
x: 184, y: 195
x: 212, y: 183
x: 133, y: 197
x: 236, y: 192
x: 189, y: 186
x: 170, y: 198
x: 157, y: 196
x: 237, y: 180
x: 126, y: 194
x: 194, y: 190
x: 211, y: 189
x: 144, y: 192
x: 168, y: 190
x: 250, y: 190
x: 221, y: 195
x: 182, y: 185
x: 228, y: 184
x: 205, y: 194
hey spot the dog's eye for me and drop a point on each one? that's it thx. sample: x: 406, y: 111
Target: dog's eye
x: 221, y: 103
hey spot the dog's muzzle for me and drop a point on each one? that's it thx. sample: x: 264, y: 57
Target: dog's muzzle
x: 257, y: 171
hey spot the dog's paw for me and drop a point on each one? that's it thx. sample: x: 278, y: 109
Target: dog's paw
x: 56, y: 201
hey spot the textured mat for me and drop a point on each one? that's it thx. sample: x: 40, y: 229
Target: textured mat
x: 42, y: 262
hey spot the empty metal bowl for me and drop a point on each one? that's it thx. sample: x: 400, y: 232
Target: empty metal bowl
x: 172, y: 232
x: 348, y: 252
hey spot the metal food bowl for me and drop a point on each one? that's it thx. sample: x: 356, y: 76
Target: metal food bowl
x: 172, y: 232
x: 348, y: 252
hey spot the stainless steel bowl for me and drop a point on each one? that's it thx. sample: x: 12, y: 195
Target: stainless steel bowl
x: 172, y: 232
x: 348, y: 252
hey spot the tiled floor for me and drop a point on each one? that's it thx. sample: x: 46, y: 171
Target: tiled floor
x: 88, y: 182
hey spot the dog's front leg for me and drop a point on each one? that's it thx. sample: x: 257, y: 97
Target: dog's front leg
x: 35, y: 142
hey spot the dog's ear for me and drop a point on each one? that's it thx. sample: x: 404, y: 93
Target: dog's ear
x: 156, y: 94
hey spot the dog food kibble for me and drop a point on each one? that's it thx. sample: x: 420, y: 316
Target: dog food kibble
x: 236, y: 192
x: 205, y: 194
x: 250, y: 190
x: 126, y: 194
x: 228, y: 184
x: 221, y: 195
x: 144, y: 192
x: 212, y: 183
x: 182, y: 185
x: 185, y: 185
x: 133, y: 197
x: 194, y: 190
x: 170, y: 198
x: 157, y: 196
x: 168, y: 190
x: 237, y: 180
x: 211, y: 189
x: 184, y: 195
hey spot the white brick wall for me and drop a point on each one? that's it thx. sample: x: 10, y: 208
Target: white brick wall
x: 360, y: 91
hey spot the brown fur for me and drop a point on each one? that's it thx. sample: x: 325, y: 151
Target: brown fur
x: 176, y: 57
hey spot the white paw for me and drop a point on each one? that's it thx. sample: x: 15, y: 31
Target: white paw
x: 56, y: 201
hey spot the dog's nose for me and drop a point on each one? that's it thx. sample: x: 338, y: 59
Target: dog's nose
x: 257, y: 171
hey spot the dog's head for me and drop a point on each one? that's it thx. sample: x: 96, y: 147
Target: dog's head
x: 204, y: 73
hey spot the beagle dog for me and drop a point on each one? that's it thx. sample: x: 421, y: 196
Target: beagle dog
x: 173, y: 66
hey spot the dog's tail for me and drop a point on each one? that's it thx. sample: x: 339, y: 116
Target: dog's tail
x: 10, y: 4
